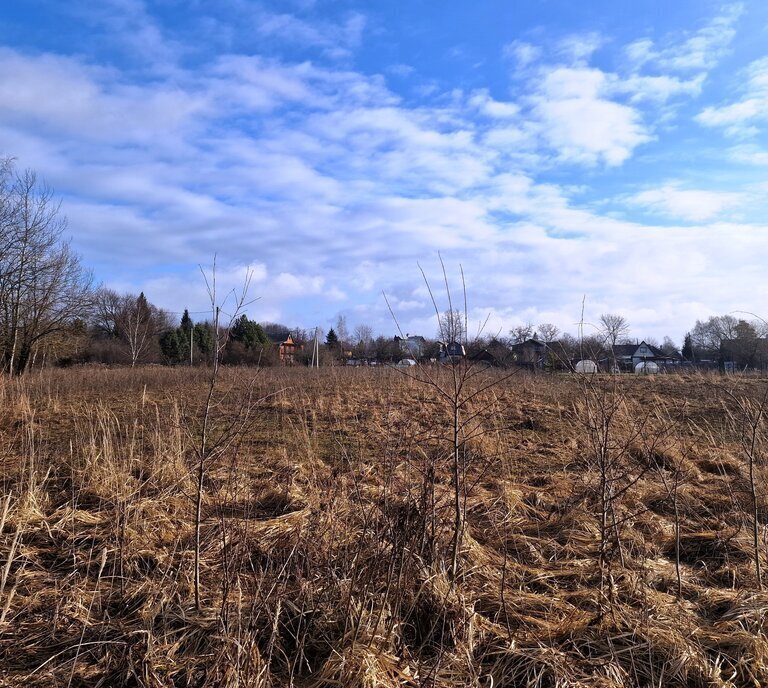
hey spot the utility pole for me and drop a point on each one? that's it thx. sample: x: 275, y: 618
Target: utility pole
x: 315, y: 352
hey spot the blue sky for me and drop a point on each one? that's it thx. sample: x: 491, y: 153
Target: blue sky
x: 613, y: 153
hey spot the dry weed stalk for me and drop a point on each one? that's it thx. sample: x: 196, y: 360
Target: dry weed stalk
x: 214, y: 436
x: 748, y: 417
x: 459, y: 383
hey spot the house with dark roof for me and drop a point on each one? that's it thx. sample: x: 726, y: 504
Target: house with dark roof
x: 412, y: 346
x: 625, y: 357
x: 452, y: 351
x: 530, y: 353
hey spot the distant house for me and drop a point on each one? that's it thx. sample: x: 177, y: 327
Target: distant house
x: 452, y: 351
x: 626, y: 357
x: 530, y: 353
x: 495, y: 354
x: 412, y: 346
x: 287, y: 347
x: 487, y: 357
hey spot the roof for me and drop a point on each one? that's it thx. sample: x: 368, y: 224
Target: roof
x: 281, y: 337
x: 530, y: 343
x: 629, y: 350
x: 624, y: 349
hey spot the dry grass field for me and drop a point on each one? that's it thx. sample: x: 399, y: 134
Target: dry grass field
x: 604, y: 530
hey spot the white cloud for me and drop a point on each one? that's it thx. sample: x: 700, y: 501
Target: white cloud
x: 337, y: 39
x: 658, y: 88
x: 701, y: 51
x: 63, y: 96
x: 752, y: 108
x: 493, y: 108
x: 522, y: 53
x: 578, y: 49
x: 581, y: 123
x: 751, y: 155
x: 690, y: 205
x: 129, y: 26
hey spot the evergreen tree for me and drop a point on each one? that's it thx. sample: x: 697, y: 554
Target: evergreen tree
x: 249, y: 333
x: 205, y: 338
x: 174, y: 346
x: 186, y: 322
x: 687, y: 351
x: 331, y: 340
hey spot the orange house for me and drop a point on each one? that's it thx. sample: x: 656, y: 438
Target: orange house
x: 287, y: 349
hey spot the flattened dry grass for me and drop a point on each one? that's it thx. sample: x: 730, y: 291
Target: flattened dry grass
x: 326, y: 535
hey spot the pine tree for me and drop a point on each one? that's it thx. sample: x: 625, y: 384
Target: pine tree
x: 331, y: 340
x: 186, y: 322
x: 687, y: 351
x: 249, y: 333
x: 204, y: 338
x: 174, y: 346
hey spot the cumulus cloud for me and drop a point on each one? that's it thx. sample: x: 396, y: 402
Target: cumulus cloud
x: 522, y: 53
x: 336, y: 39
x: 659, y: 88
x: 700, y: 51
x: 691, y: 205
x: 751, y: 155
x: 581, y: 122
x: 740, y: 117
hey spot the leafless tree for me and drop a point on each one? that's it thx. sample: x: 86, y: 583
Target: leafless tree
x: 43, y: 287
x: 363, y: 338
x: 106, y: 309
x: 614, y: 327
x: 747, y: 416
x: 522, y: 333
x: 452, y: 326
x: 212, y: 434
x: 548, y: 332
x: 459, y: 384
x: 138, y: 323
x: 131, y: 319
x: 342, y: 331
x: 709, y: 335
x: 669, y: 347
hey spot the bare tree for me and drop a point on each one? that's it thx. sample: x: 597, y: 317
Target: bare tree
x: 363, y: 338
x: 548, y: 332
x: 131, y: 319
x: 43, y: 287
x: 138, y: 323
x: 614, y: 327
x: 460, y: 384
x: 669, y: 347
x: 342, y: 331
x: 709, y: 335
x: 212, y: 435
x: 452, y: 326
x: 522, y: 333
x: 747, y: 416
x: 106, y: 309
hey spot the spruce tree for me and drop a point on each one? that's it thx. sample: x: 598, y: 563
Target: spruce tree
x: 687, y: 351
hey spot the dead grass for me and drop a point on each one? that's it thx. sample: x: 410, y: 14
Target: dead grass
x: 326, y: 534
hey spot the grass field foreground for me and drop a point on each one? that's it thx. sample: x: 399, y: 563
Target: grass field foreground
x: 612, y: 530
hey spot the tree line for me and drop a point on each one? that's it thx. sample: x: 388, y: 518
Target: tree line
x: 51, y: 311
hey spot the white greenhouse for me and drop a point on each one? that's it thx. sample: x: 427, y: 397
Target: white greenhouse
x: 586, y: 366
x: 647, y: 367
